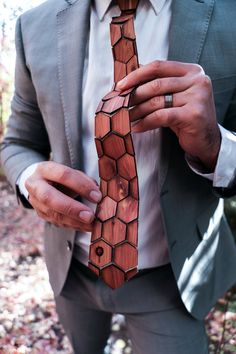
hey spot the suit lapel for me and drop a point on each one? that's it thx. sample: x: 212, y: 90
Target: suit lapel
x: 72, y: 33
x: 189, y: 25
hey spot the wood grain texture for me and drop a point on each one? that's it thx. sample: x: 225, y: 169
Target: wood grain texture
x: 99, y: 147
x: 106, y: 209
x: 113, y: 250
x: 128, y: 29
x: 114, y: 146
x: 107, y: 168
x: 126, y: 256
x: 120, y: 70
x: 118, y: 188
x: 127, y: 167
x: 128, y: 5
x: 120, y: 122
x: 113, y: 276
x: 123, y: 51
x: 127, y: 210
x: 97, y: 230
x: 104, y: 187
x: 129, y: 144
x: 102, y: 125
x: 114, y: 231
x: 132, y: 233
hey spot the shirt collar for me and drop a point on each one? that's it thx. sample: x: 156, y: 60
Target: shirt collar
x: 102, y: 6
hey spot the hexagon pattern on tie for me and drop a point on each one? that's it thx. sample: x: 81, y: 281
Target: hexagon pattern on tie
x: 113, y: 251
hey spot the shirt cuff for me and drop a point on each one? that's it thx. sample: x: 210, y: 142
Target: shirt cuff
x: 23, y: 177
x: 225, y: 169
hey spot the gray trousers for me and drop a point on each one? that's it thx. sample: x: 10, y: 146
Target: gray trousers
x: 157, y: 321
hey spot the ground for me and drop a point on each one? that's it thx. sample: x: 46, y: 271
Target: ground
x: 28, y: 321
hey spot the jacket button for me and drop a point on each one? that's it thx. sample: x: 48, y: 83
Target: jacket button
x: 69, y: 246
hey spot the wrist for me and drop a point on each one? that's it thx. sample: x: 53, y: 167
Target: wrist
x: 210, y: 155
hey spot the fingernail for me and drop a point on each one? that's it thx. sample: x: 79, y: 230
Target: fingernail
x: 96, y: 196
x: 86, y: 216
x: 121, y: 84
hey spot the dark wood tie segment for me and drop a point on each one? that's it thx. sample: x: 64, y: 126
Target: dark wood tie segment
x: 113, y: 251
x: 128, y: 5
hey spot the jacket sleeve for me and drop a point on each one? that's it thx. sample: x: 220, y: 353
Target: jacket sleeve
x: 26, y: 140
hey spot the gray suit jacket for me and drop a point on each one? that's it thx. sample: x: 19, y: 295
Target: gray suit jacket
x: 46, y: 121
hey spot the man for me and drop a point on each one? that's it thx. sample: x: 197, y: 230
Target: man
x: 185, y: 161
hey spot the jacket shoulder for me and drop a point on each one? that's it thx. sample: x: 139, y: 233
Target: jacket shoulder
x: 44, y: 11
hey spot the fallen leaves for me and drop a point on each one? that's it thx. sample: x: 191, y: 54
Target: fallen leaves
x: 28, y: 320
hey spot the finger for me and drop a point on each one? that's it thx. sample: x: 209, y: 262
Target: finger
x: 68, y: 224
x: 38, y: 206
x: 156, y: 103
x: 42, y: 215
x: 55, y: 200
x: 56, y: 218
x: 156, y: 69
x: 163, y: 118
x: 161, y: 87
x: 73, y: 179
x: 65, y: 190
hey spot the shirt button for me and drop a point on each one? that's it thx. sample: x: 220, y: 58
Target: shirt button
x: 69, y: 246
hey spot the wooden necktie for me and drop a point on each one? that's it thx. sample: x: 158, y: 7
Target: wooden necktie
x: 113, y: 251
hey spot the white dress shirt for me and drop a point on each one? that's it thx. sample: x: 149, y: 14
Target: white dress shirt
x: 152, y: 24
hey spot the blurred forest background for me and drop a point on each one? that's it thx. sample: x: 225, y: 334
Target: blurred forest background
x: 28, y: 322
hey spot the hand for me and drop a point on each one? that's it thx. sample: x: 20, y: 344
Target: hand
x: 192, y: 117
x: 52, y: 188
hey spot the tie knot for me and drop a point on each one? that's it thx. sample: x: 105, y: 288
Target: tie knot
x: 128, y: 5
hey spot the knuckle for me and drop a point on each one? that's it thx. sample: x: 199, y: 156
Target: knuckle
x: 199, y: 97
x: 155, y: 101
x: 155, y: 65
x: 198, y: 111
x: 156, y: 85
x: 69, y: 210
x: 196, y: 68
x: 41, y: 166
x: 45, y: 197
x: 50, y: 213
x: 57, y: 218
x: 64, y: 174
x: 206, y: 81
x: 173, y: 82
x: 156, y: 115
